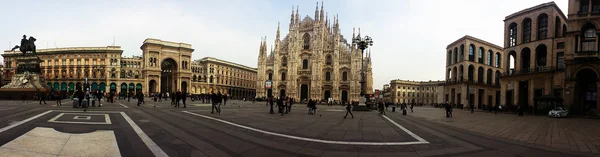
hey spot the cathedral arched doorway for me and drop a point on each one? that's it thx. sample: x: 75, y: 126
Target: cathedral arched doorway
x: 282, y: 93
x: 303, y: 92
x: 585, y: 91
x: 326, y: 95
x: 168, y: 75
x: 152, y: 85
x: 344, y: 96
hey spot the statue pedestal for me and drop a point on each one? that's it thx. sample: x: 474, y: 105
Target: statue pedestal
x: 27, y: 81
x: 362, y: 105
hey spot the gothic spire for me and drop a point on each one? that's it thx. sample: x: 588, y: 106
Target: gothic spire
x: 277, y: 35
x: 297, y: 16
x: 262, y: 48
x: 317, y: 12
x: 326, y: 19
x: 321, y: 17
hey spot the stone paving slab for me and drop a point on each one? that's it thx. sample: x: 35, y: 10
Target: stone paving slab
x: 569, y: 133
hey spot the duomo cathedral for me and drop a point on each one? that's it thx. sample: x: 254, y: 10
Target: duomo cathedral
x: 313, y: 61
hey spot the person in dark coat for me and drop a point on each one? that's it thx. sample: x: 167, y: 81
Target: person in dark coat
x: 172, y: 95
x: 270, y: 102
x: 177, y: 98
x: 224, y: 99
x: 280, y: 105
x: 349, y: 110
x: 448, y: 110
x: 183, y: 98
x: 80, y: 95
x: 42, y: 97
x: 140, y: 98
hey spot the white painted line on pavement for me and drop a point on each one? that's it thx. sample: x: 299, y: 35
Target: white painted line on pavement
x: 97, y: 111
x: 122, y: 105
x: 149, y: 143
x: 24, y: 121
x: 406, y: 130
x: 311, y: 139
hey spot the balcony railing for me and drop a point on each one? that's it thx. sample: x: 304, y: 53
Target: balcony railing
x: 586, y: 54
x: 460, y: 81
x: 538, y: 69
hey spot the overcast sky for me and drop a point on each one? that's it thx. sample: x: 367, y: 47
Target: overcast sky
x: 410, y: 37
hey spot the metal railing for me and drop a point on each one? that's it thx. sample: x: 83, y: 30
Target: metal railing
x: 533, y: 70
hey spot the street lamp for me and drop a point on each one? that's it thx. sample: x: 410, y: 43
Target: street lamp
x: 362, y: 43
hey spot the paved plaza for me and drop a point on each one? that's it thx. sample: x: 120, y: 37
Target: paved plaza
x: 247, y: 129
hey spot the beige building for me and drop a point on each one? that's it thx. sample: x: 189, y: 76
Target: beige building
x: 313, y: 61
x: 419, y: 92
x: 163, y: 66
x: 535, y: 54
x: 473, y: 70
x: 215, y: 75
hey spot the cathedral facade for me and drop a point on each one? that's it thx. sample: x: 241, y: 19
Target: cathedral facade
x: 313, y: 61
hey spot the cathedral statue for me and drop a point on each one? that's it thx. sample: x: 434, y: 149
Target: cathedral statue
x: 26, y: 45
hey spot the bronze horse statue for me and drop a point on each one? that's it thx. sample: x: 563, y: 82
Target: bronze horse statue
x: 26, y: 45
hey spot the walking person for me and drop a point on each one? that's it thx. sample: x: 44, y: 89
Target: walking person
x: 213, y: 104
x: 280, y: 105
x: 218, y: 100
x: 349, y: 110
x: 42, y: 97
x: 58, y: 97
x: 172, y: 99
x: 472, y: 106
x: 177, y: 98
x: 80, y: 95
x: 224, y: 99
x: 270, y: 102
x: 411, y: 107
x: 448, y: 110
x: 100, y: 94
x: 290, y: 103
x: 140, y: 98
x: 183, y: 98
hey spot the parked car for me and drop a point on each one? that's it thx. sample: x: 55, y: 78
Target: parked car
x: 558, y: 112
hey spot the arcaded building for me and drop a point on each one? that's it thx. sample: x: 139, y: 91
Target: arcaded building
x: 473, y: 70
x: 164, y: 66
x: 535, y: 47
x: 313, y: 61
x: 417, y: 92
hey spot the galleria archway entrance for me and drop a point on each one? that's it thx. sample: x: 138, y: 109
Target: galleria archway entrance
x: 585, y: 91
x: 168, y: 76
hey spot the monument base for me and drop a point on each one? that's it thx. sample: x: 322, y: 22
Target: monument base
x: 362, y: 105
x: 24, y: 87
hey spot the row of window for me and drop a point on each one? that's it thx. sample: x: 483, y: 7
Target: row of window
x: 328, y: 61
x: 489, y: 56
x: 542, y: 29
x: 72, y: 62
x: 457, y: 75
x: 327, y: 76
x: 418, y: 95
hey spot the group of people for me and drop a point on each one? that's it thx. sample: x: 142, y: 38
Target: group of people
x: 284, y: 104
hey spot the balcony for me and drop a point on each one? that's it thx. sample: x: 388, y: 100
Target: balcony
x: 586, y: 54
x: 472, y: 82
x: 534, y: 70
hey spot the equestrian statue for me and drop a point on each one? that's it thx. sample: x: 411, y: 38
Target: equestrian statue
x: 26, y: 45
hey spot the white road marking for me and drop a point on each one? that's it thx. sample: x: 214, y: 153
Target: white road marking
x: 24, y: 121
x: 421, y: 141
x: 122, y: 105
x: 106, y: 119
x: 406, y: 130
x: 149, y: 143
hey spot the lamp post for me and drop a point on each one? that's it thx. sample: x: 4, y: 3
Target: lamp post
x: 362, y: 43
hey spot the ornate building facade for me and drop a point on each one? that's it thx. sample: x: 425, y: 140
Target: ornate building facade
x: 473, y: 70
x: 215, y: 75
x: 164, y: 66
x: 417, y: 92
x: 313, y: 61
